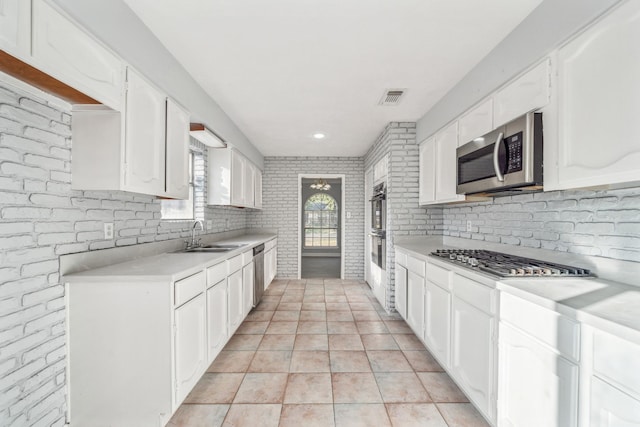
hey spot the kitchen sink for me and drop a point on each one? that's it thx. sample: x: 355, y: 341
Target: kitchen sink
x: 213, y: 248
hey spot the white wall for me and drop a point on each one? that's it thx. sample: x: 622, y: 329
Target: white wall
x: 280, y: 207
x: 543, y: 30
x: 119, y: 28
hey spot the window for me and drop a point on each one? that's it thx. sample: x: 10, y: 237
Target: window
x: 320, y: 221
x: 181, y: 209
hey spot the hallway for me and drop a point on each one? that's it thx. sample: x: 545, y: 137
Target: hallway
x: 324, y: 353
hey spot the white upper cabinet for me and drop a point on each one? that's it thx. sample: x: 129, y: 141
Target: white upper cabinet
x: 66, y: 52
x: 177, y: 149
x: 427, y: 177
x: 232, y: 179
x: 380, y: 170
x: 446, y: 174
x: 15, y: 25
x: 144, y: 136
x: 438, y: 175
x: 526, y: 93
x: 598, y: 141
x: 258, y: 189
x: 144, y: 150
x: 476, y: 122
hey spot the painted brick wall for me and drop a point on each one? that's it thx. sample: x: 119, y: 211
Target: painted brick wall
x: 404, y: 217
x: 280, y: 207
x: 600, y: 223
x: 40, y: 219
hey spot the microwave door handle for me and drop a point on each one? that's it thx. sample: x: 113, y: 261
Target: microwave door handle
x: 496, y: 163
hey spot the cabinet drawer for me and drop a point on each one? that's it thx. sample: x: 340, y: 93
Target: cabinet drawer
x: 617, y: 361
x: 247, y: 257
x: 474, y: 293
x: 438, y: 276
x: 216, y: 273
x: 188, y: 288
x: 401, y: 258
x: 234, y: 264
x: 553, y: 329
x: 416, y: 266
x: 270, y: 244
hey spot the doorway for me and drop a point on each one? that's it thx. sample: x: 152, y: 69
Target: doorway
x: 321, y: 221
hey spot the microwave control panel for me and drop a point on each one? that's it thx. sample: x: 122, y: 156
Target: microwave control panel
x: 513, y: 144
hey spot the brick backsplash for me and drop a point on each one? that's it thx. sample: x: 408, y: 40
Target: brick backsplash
x: 41, y: 218
x: 280, y: 207
x: 599, y: 223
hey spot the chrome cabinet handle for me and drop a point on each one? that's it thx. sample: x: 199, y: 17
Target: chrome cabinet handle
x: 496, y: 165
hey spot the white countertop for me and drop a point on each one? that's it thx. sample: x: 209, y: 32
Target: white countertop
x: 167, y: 266
x: 605, y: 304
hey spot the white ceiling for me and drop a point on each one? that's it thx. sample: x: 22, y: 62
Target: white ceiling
x: 285, y: 69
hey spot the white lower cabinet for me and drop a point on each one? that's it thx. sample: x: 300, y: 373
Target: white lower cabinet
x: 217, y: 333
x: 610, y: 380
x: 415, y: 302
x: 611, y: 407
x: 401, y: 290
x: 472, y: 353
x: 190, y: 345
x: 437, y: 320
x: 235, y: 301
x: 247, y: 288
x: 537, y: 387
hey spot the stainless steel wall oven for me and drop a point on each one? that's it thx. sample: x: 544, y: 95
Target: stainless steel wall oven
x: 378, y: 225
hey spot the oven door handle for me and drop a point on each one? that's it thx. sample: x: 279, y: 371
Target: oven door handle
x: 496, y: 162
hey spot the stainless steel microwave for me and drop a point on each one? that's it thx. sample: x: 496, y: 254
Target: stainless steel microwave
x: 505, y: 161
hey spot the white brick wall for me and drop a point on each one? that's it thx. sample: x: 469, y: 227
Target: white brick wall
x: 280, y: 207
x: 600, y: 223
x: 404, y: 216
x: 40, y: 219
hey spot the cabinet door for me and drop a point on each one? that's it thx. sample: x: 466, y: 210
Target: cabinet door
x: 144, y: 137
x: 476, y: 122
x: 472, y: 353
x: 537, y: 387
x: 415, y: 303
x: 216, y: 318
x: 274, y: 263
x: 446, y: 171
x: 427, y: 168
x: 234, y: 282
x: 15, y: 26
x: 65, y: 51
x: 247, y: 288
x: 258, y: 189
x: 599, y: 103
x: 611, y: 407
x: 401, y: 290
x: 237, y: 179
x: 527, y: 93
x: 249, y: 184
x: 437, y: 321
x: 190, y: 346
x: 177, y: 149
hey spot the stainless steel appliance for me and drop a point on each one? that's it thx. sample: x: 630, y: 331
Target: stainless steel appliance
x: 505, y: 265
x: 506, y: 161
x: 258, y: 274
x: 378, y: 224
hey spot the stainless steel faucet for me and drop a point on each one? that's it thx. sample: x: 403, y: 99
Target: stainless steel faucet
x: 194, y: 243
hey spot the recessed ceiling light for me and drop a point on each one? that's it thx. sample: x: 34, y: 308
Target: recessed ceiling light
x: 319, y: 135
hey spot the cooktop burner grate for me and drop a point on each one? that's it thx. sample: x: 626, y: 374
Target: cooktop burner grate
x: 504, y: 265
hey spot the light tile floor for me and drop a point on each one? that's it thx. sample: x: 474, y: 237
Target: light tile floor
x: 324, y: 353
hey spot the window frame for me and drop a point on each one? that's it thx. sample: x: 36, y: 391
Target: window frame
x: 324, y: 219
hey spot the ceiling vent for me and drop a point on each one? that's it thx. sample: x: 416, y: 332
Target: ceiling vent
x: 392, y: 97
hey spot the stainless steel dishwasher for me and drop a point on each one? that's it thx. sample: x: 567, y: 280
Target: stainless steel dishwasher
x: 258, y: 274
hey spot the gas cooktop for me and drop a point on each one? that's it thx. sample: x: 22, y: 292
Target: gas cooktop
x: 504, y: 265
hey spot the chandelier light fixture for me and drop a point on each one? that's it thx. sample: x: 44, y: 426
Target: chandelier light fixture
x: 320, y: 184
